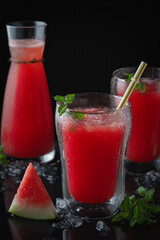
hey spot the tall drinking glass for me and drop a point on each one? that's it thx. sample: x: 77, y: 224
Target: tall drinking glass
x: 92, y: 153
x: 27, y: 118
x: 144, y: 144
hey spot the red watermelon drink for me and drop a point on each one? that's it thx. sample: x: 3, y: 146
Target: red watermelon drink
x: 92, y: 150
x: 92, y: 155
x: 27, y: 119
x: 144, y: 143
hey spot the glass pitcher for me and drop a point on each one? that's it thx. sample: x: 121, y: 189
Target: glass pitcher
x: 27, y: 129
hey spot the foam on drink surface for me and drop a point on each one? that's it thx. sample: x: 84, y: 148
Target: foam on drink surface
x: 26, y: 49
x: 25, y: 43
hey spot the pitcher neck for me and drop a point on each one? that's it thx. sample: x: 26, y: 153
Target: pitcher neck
x: 26, y: 49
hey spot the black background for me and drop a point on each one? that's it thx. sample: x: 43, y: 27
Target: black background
x: 85, y: 44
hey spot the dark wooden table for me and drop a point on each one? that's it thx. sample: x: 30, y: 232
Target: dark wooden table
x: 12, y: 227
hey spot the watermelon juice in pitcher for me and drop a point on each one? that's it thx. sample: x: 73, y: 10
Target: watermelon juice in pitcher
x: 27, y: 119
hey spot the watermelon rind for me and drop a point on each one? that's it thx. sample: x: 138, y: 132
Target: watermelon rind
x: 32, y: 212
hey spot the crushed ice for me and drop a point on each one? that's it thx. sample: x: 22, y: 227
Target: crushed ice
x: 67, y: 220
x: 16, y: 170
x: 149, y: 180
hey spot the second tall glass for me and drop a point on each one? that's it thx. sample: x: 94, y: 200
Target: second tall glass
x: 27, y: 118
x: 144, y: 143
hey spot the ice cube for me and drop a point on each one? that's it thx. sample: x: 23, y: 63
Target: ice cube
x: 60, y: 203
x: 76, y: 222
x: 102, y: 227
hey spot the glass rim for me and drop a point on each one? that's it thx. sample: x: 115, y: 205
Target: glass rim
x: 123, y: 69
x: 26, y: 24
x: 127, y: 104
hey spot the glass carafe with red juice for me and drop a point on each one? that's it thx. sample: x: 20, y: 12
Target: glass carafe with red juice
x: 27, y: 118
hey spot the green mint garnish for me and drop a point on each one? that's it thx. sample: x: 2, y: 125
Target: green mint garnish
x: 138, y: 211
x: 139, y: 86
x: 66, y: 102
x: 77, y: 115
x: 129, y: 75
x: 3, y: 159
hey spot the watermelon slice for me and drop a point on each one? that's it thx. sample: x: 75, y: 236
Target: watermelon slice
x: 32, y: 199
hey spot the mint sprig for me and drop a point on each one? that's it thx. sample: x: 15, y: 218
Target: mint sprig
x: 67, y: 100
x: 3, y: 159
x: 138, y: 211
x: 139, y: 86
x: 129, y: 76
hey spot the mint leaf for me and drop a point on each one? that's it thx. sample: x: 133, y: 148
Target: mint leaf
x: 133, y: 221
x: 59, y: 98
x: 149, y: 195
x: 129, y: 75
x: 67, y: 100
x: 153, y: 208
x: 3, y: 159
x: 118, y: 217
x: 141, y: 204
x: 142, y: 191
x: 126, y: 204
x: 138, y: 211
x: 139, y: 86
x: 62, y: 109
x: 132, y: 198
x: 77, y: 115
